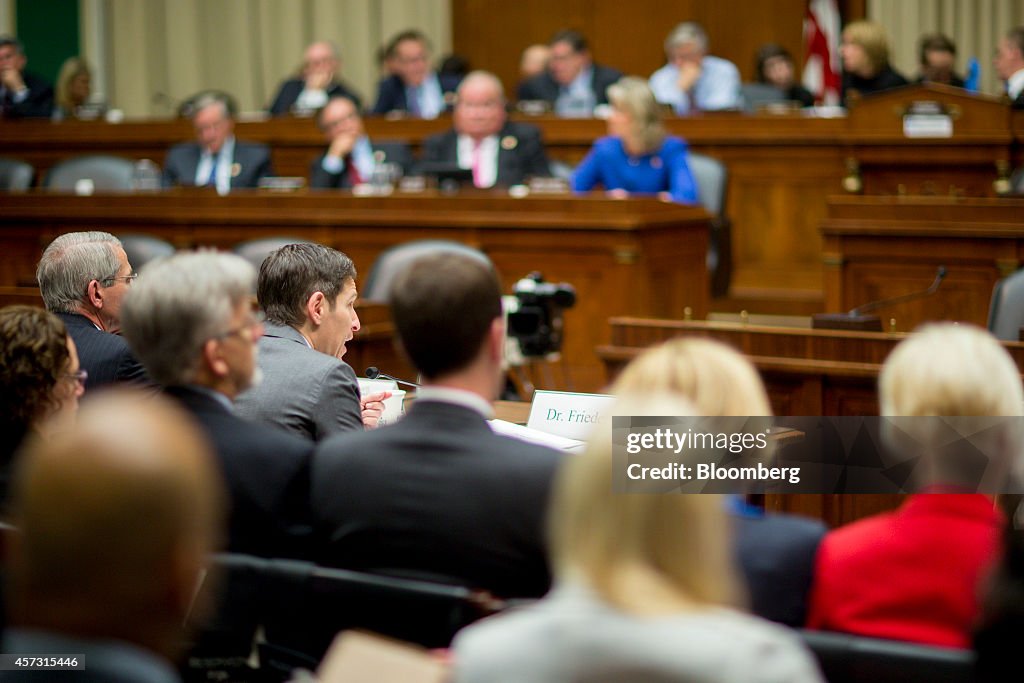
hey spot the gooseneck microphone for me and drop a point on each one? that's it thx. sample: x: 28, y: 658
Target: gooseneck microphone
x: 375, y: 373
x: 856, y: 318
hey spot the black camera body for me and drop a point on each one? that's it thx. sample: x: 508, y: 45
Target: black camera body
x: 538, y: 325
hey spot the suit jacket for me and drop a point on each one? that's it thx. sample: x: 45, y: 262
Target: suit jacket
x: 38, y: 104
x: 520, y: 152
x: 544, y: 87
x: 267, y: 477
x: 253, y: 162
x: 394, y: 152
x: 292, y: 88
x: 105, y: 356
x: 912, y: 574
x: 391, y: 93
x: 437, y: 493
x: 776, y: 554
x: 303, y: 391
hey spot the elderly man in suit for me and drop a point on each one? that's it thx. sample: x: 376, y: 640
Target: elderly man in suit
x: 438, y: 493
x: 350, y: 158
x: 319, y: 82
x: 413, y: 87
x: 1009, y: 63
x: 216, y: 159
x: 22, y: 93
x: 499, y: 152
x: 191, y: 322
x: 308, y: 292
x: 116, y: 519
x: 693, y: 80
x: 573, y: 84
x: 83, y: 278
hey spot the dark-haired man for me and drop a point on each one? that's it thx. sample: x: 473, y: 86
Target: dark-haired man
x: 438, y: 493
x: 308, y: 292
x: 573, y: 84
x: 350, y: 157
x: 216, y: 159
x: 22, y: 93
x: 413, y: 87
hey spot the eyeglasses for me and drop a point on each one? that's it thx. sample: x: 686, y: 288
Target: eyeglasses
x: 255, y: 320
x: 128, y: 279
x: 81, y: 376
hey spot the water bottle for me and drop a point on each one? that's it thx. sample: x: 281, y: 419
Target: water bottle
x: 146, y: 176
x: 973, y: 78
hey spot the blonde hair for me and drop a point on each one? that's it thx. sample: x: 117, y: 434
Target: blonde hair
x: 718, y: 380
x: 872, y: 38
x: 72, y: 68
x: 678, y: 544
x: 633, y: 96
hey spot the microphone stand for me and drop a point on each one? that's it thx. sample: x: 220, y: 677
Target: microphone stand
x: 856, y: 321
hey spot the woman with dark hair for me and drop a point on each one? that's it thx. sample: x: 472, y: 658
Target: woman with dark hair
x: 775, y: 67
x: 40, y: 379
x: 637, y: 157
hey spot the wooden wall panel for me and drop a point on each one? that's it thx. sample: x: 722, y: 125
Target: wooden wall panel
x: 626, y: 35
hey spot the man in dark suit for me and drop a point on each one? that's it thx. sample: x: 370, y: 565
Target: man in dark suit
x: 318, y: 83
x: 116, y: 520
x: 573, y: 85
x: 22, y: 94
x: 498, y: 151
x: 438, y: 493
x: 190, y: 320
x: 1009, y: 63
x: 83, y: 278
x: 216, y: 159
x: 414, y: 88
x: 350, y: 158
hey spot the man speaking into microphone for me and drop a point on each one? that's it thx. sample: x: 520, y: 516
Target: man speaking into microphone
x: 308, y: 293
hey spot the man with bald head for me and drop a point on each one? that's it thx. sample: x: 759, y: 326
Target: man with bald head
x: 499, y: 152
x: 190, y: 321
x: 319, y: 81
x: 83, y: 278
x: 350, y: 157
x: 115, y: 520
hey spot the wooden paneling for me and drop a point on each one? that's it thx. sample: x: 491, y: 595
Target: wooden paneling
x: 626, y: 35
x: 641, y: 257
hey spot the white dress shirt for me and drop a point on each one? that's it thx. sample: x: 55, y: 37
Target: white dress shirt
x: 1015, y: 84
x: 224, y: 160
x: 488, y: 173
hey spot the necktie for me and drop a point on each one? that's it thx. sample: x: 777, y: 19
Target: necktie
x: 212, y: 180
x: 414, y: 101
x: 476, y: 163
x: 353, y: 173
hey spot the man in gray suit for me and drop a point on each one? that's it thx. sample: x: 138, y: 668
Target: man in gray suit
x: 216, y: 159
x: 308, y: 292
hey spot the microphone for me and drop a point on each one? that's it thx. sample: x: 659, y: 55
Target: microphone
x: 856, y: 320
x: 374, y: 373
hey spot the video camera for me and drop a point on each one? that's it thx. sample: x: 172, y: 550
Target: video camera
x: 537, y: 324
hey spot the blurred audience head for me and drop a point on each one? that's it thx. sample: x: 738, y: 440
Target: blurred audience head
x: 687, y: 43
x: 408, y: 56
x: 635, y: 114
x: 190, y: 321
x: 12, y: 54
x: 40, y: 378
x: 447, y: 311
x: 865, y: 48
x: 322, y: 56
x: 74, y: 84
x: 479, y: 105
x: 312, y: 288
x: 1009, y: 57
x: 115, y: 520
x: 340, y: 116
x: 213, y: 118
x: 775, y: 66
x: 87, y: 273
x: 627, y: 546
x: 570, y: 54
x: 534, y: 61
x: 716, y: 379
x: 937, y: 54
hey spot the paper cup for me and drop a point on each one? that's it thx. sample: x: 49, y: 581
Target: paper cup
x: 375, y: 386
x: 394, y: 408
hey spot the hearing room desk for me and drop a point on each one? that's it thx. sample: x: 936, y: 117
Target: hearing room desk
x: 634, y: 257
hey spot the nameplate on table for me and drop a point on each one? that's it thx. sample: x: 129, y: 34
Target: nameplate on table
x: 927, y: 120
x: 569, y: 414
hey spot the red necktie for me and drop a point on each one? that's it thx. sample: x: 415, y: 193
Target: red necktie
x: 353, y: 172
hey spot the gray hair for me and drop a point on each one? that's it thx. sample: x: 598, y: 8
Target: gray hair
x: 686, y: 33
x: 484, y: 76
x: 177, y: 304
x: 70, y: 263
